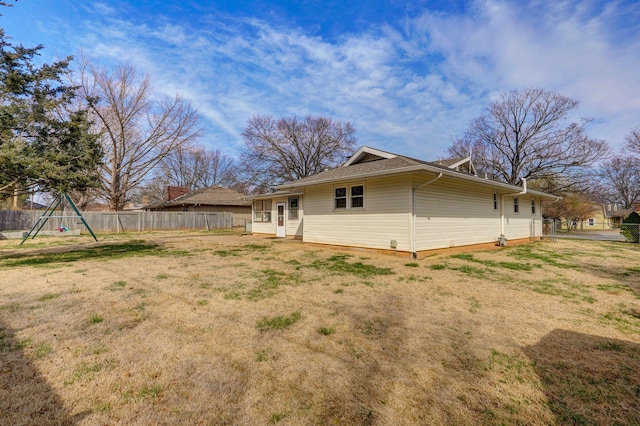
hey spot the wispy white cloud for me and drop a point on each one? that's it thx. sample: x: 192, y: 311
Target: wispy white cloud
x: 406, y: 86
x: 233, y: 70
x: 573, y: 47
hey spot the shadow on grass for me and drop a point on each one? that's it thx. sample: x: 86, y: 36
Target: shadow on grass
x: 111, y: 251
x: 25, y: 396
x: 589, y: 380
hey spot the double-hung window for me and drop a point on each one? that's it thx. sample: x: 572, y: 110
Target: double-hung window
x: 340, y: 198
x: 516, y: 206
x: 357, y: 196
x: 533, y: 206
x: 262, y: 211
x: 293, y: 208
x: 348, y: 197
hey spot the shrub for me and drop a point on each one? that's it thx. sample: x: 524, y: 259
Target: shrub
x: 630, y: 228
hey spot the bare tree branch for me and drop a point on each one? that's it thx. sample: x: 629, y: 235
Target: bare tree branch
x: 621, y: 181
x: 287, y: 149
x: 136, y: 130
x: 524, y: 135
x: 196, y: 167
x: 633, y: 140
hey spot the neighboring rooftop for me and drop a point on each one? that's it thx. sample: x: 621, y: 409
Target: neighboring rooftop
x: 212, y: 196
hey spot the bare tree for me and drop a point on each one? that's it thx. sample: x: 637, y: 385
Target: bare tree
x: 621, y: 181
x: 525, y: 135
x: 574, y: 208
x: 289, y: 148
x: 477, y: 150
x: 136, y: 129
x: 197, y: 167
x: 633, y: 140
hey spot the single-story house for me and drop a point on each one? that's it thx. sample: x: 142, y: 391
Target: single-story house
x: 385, y: 201
x: 616, y: 214
x: 597, y: 219
x: 212, y: 199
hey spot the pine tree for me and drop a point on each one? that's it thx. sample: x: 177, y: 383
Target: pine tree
x: 44, y: 143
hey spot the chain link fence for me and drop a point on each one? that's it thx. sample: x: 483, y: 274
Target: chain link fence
x: 552, y: 229
x: 631, y: 232
x: 549, y: 227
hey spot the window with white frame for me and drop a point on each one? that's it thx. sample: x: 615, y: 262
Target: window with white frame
x: 293, y: 208
x: 592, y: 222
x: 262, y: 211
x: 495, y: 201
x: 340, y: 198
x: 516, y: 206
x: 533, y: 206
x: 357, y: 196
x: 348, y: 197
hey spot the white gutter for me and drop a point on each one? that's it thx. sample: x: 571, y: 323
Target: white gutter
x: 429, y: 182
x: 413, y: 212
x: 415, y: 168
x: 295, y: 184
x: 524, y: 191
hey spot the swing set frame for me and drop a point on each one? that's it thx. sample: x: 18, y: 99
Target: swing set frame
x: 49, y: 214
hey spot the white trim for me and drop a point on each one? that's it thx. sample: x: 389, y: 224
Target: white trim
x: 281, y: 231
x: 297, y: 209
x: 278, y: 194
x: 367, y: 150
x: 348, y: 197
x: 472, y: 168
x: 417, y: 168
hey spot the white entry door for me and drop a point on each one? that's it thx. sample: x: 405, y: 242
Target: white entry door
x: 280, y: 224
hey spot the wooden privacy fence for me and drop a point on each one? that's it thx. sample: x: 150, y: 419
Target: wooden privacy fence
x: 139, y: 221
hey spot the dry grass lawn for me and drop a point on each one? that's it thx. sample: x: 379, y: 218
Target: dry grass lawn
x: 198, y: 328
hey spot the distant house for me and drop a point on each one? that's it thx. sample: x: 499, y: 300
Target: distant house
x: 598, y: 219
x: 384, y: 201
x: 212, y: 199
x: 615, y: 214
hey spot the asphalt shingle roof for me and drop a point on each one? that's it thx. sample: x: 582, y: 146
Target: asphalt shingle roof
x: 212, y: 196
x: 396, y: 164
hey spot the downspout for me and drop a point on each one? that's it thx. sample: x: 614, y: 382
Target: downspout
x: 524, y: 191
x: 414, y: 191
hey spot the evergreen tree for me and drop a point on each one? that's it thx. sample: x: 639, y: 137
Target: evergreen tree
x: 631, y: 227
x: 43, y: 142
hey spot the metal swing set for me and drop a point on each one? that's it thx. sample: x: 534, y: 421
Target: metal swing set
x: 49, y: 214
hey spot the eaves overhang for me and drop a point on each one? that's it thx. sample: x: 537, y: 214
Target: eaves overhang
x: 413, y: 169
x: 276, y: 194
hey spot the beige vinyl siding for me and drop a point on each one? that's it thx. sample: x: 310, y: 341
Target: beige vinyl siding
x: 265, y: 227
x: 451, y: 213
x: 293, y: 227
x: 385, y: 216
x: 522, y: 224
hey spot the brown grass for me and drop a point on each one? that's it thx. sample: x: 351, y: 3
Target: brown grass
x: 213, y: 329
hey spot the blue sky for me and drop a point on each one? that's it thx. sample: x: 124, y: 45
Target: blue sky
x: 409, y: 75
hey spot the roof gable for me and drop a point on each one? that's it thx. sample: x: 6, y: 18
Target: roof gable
x: 367, y: 154
x: 460, y: 164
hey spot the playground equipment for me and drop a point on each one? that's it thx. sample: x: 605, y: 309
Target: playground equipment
x: 49, y: 214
